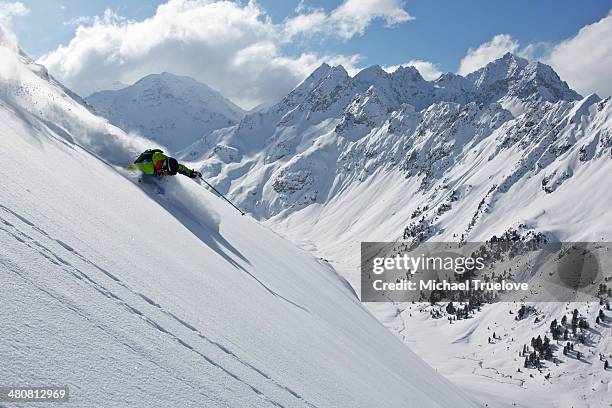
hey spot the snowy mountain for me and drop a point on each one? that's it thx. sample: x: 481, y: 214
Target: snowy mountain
x: 139, y: 298
x: 335, y: 131
x: 170, y: 109
x: 509, y: 149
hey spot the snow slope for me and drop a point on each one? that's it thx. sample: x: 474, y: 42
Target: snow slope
x: 137, y: 299
x: 173, y: 110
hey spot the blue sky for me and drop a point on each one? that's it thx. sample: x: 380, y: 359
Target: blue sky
x: 385, y: 32
x: 442, y: 30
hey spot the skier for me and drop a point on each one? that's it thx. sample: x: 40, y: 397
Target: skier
x: 154, y: 162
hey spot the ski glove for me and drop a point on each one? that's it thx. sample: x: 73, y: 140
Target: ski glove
x: 195, y: 174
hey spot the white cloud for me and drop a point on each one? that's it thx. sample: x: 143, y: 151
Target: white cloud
x: 350, y: 18
x: 487, y: 52
x: 10, y: 10
x: 233, y: 47
x: 428, y: 70
x: 585, y: 60
x: 311, y: 22
x: 77, y: 21
x: 353, y: 16
x: 535, y: 51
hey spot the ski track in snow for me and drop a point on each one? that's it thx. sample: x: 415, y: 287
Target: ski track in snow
x: 66, y: 303
x: 52, y: 256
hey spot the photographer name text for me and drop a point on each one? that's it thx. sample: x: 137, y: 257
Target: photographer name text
x: 468, y: 284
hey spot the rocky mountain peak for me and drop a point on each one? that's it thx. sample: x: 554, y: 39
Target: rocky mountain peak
x: 408, y: 73
x: 501, y: 69
x: 513, y: 77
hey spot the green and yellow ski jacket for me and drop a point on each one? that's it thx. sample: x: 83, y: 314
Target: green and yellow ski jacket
x: 150, y: 162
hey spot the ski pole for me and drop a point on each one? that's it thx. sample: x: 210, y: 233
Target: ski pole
x: 221, y: 195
